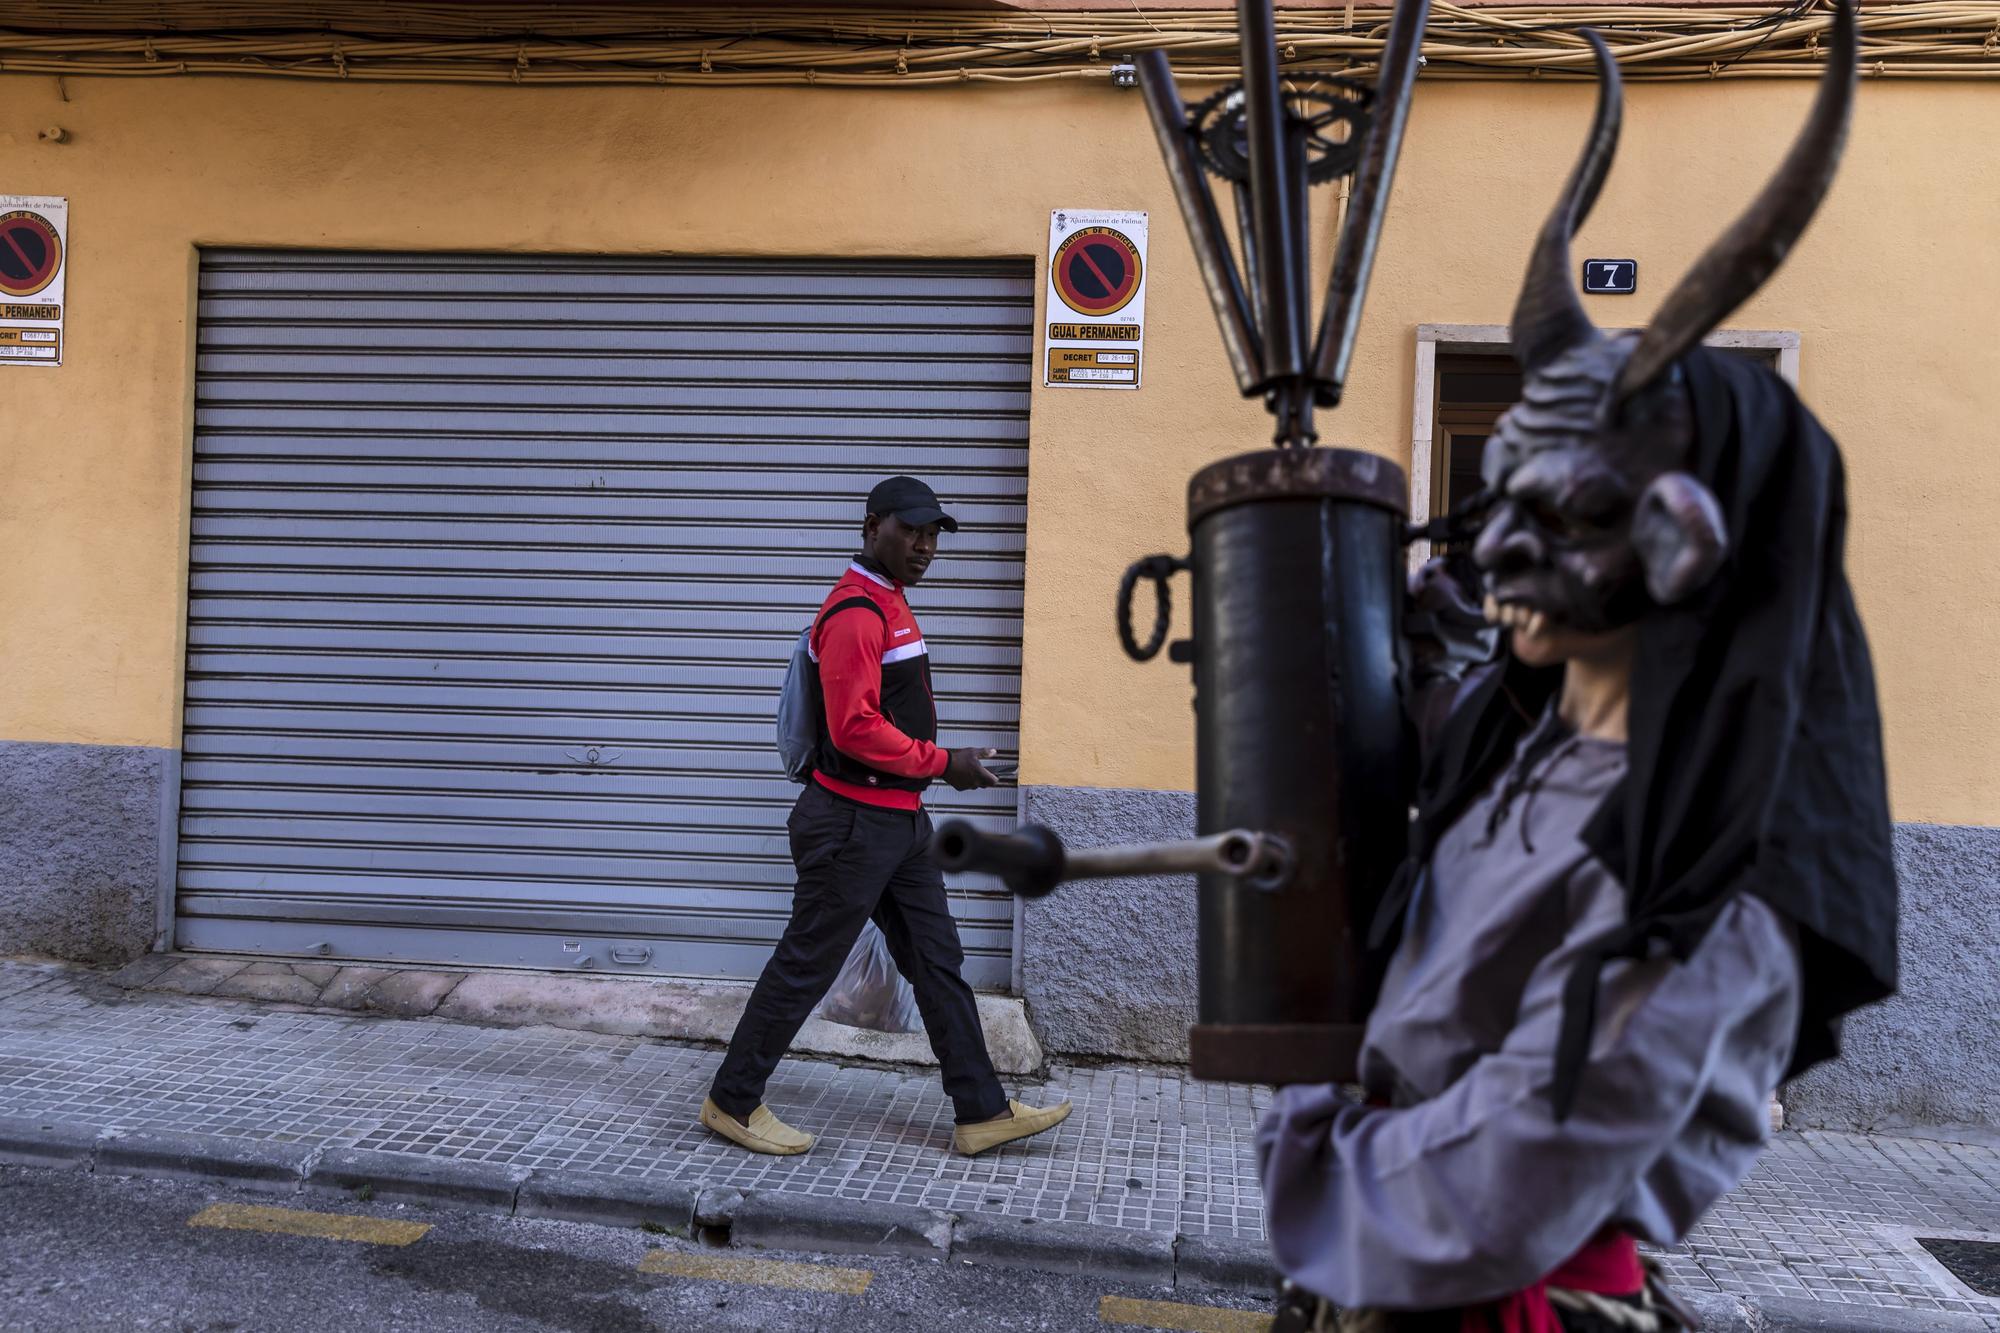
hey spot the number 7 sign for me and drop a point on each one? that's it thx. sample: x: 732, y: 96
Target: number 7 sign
x: 1619, y: 276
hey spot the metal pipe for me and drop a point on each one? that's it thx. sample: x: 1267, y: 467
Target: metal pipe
x: 1298, y: 432
x: 1031, y: 860
x: 1271, y: 186
x: 1204, y: 224
x: 1246, y: 241
x: 1355, y: 257
x: 1261, y: 859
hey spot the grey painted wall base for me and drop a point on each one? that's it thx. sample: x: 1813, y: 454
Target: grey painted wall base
x: 1930, y: 1056
x: 80, y: 849
x: 1108, y: 966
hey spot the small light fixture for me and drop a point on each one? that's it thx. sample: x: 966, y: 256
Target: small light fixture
x: 1125, y: 76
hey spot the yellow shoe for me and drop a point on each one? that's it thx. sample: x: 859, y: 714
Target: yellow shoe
x: 975, y: 1139
x: 765, y: 1133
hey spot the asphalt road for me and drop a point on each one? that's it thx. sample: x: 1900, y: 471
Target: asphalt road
x: 82, y: 1252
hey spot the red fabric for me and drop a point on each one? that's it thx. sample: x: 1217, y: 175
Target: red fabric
x: 1608, y: 1266
x: 882, y: 798
x: 850, y: 648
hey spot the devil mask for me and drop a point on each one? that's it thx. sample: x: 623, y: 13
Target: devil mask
x: 1588, y: 516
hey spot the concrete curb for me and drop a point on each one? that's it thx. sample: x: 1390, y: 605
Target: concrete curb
x: 777, y: 1220
x: 46, y: 1143
x: 410, y: 1178
x: 841, y: 1226
x: 1223, y: 1263
x: 1776, y: 1314
x: 250, y: 1163
x: 610, y: 1201
x: 1063, y: 1247
x: 715, y: 1209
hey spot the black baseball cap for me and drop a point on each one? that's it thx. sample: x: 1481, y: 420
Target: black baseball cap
x: 911, y: 501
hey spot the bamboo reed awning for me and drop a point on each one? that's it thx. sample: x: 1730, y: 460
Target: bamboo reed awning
x: 523, y: 43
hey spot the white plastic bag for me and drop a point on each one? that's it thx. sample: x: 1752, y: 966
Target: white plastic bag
x: 870, y: 992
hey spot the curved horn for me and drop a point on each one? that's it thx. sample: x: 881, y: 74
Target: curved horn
x: 1753, y: 247
x: 1548, y: 316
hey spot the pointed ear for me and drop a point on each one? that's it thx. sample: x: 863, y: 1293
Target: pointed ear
x: 1678, y: 532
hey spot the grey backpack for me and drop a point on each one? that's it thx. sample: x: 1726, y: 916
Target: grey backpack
x: 800, y: 704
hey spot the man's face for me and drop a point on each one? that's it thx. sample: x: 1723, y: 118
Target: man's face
x: 905, y: 551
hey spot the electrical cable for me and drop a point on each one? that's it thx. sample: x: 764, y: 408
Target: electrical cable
x: 599, y: 44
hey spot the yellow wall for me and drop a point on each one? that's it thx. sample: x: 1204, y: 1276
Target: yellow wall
x: 1891, y: 291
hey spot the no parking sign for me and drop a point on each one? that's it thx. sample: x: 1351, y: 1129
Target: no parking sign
x: 1096, y: 300
x: 34, y: 262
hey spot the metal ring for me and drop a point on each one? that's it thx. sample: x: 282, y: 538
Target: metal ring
x: 1158, y: 568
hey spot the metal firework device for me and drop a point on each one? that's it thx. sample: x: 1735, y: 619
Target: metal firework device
x: 1296, y: 559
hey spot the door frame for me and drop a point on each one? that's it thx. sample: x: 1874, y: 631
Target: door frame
x: 1435, y: 338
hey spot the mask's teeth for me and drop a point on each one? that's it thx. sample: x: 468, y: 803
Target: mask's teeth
x: 1491, y: 610
x: 1538, y: 624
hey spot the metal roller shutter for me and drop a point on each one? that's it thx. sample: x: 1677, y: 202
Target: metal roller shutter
x: 495, y: 565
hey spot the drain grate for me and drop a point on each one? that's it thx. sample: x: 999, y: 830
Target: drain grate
x: 1976, y: 1263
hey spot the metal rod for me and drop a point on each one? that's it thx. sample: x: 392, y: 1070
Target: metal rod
x: 1271, y: 188
x: 1239, y: 852
x: 1298, y: 432
x: 1204, y: 224
x: 1246, y: 241
x: 1355, y: 257
x: 1032, y: 860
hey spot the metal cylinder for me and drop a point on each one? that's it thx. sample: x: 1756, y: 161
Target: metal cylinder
x: 1298, y: 591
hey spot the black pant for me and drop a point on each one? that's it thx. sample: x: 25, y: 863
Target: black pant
x: 856, y: 862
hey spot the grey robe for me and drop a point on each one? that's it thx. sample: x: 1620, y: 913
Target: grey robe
x: 1465, y: 1188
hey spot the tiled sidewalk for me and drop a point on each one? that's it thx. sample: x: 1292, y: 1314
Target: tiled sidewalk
x: 1145, y: 1147
x: 1828, y: 1217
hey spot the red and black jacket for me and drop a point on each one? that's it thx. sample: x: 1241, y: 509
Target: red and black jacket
x: 878, y: 720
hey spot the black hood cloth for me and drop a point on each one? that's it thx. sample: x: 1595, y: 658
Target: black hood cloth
x: 1754, y: 741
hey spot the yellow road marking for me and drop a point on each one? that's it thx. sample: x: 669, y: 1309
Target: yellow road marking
x: 758, y: 1272
x: 1186, y: 1318
x: 325, y: 1226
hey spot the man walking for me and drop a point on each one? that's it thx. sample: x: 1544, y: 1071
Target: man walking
x: 861, y: 843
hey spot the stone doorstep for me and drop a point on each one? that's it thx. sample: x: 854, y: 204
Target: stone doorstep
x: 775, y: 1220
x: 666, y: 1008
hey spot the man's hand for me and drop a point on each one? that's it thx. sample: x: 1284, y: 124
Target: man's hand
x: 964, y: 772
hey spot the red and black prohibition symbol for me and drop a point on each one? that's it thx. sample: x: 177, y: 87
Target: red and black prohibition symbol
x: 1097, y: 271
x: 30, y: 253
